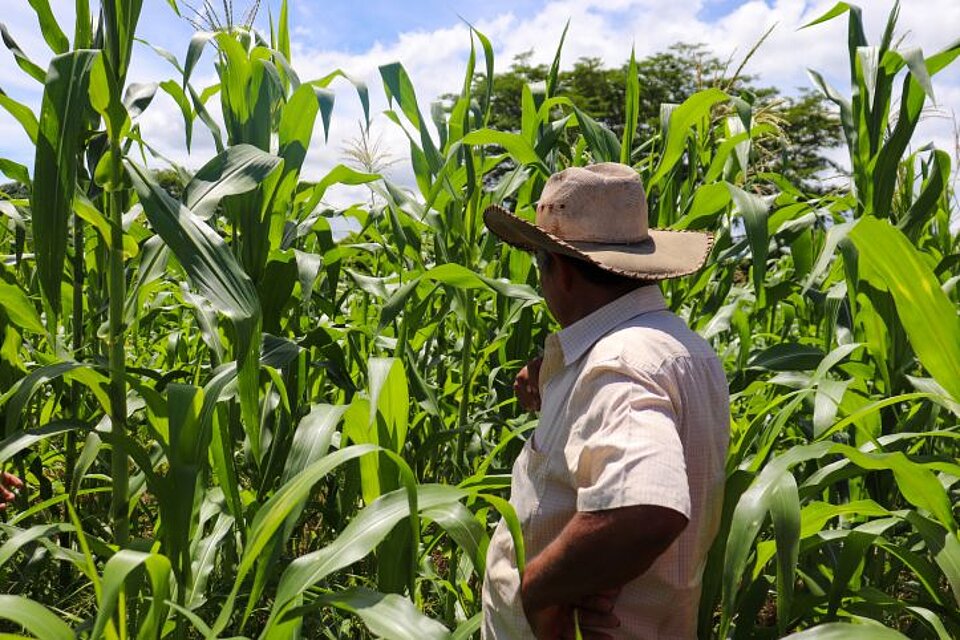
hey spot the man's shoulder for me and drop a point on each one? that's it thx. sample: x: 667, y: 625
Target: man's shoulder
x: 649, y: 341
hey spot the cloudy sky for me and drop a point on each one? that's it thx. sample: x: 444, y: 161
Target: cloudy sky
x: 431, y: 38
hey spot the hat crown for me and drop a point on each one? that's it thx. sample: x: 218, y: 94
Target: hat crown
x: 602, y: 203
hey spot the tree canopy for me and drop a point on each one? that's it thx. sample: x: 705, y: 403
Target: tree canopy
x: 806, y: 124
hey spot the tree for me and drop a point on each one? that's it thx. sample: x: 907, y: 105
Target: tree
x: 807, y: 126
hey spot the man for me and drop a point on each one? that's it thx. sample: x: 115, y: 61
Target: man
x: 619, y: 489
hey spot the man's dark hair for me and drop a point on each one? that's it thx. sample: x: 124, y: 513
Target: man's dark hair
x: 593, y: 273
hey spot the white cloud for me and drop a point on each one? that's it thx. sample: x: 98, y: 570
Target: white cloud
x: 436, y: 59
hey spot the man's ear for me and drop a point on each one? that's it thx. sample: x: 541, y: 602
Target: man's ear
x: 566, y: 272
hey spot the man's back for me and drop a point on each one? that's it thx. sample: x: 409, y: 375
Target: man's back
x: 635, y: 412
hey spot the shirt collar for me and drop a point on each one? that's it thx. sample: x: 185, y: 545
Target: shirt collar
x: 577, y: 338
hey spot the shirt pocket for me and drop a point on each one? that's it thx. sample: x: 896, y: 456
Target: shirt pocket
x: 529, y: 482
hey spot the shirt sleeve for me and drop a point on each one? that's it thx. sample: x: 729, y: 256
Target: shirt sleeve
x: 625, y: 449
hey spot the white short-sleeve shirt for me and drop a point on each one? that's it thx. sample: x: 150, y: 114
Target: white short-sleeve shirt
x: 635, y: 411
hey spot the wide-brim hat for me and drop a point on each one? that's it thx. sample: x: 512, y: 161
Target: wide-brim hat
x: 599, y: 214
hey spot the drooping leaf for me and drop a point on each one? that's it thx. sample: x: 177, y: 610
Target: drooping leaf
x: 387, y: 616
x: 239, y: 169
x: 20, y: 57
x: 360, y: 537
x: 34, y: 617
x: 215, y: 273
x: 927, y: 314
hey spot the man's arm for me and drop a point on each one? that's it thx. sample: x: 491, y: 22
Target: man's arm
x: 597, y: 551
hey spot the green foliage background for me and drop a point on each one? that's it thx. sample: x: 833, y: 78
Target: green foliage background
x: 234, y: 421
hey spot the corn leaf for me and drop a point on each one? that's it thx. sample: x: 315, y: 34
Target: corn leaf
x: 361, y: 536
x: 23, y: 114
x: 19, y: 309
x: 34, y: 617
x: 115, y: 574
x: 216, y: 274
x: 387, y: 616
x: 631, y: 109
x: 237, y: 170
x: 49, y: 27
x: 681, y: 121
x: 63, y: 113
x: 20, y: 57
x: 927, y: 314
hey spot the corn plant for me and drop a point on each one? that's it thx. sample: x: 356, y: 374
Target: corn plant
x: 235, y: 420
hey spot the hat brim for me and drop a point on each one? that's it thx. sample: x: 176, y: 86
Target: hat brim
x: 665, y: 254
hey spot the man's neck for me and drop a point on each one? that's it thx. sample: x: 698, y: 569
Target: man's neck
x: 593, y: 298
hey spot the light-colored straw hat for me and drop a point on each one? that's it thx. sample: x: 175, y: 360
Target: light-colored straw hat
x: 599, y: 214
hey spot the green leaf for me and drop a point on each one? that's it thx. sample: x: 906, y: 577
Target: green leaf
x: 631, y: 109
x: 23, y: 114
x: 468, y: 629
x: 927, y: 314
x: 18, y: 539
x: 296, y: 125
x: 387, y: 616
x: 771, y: 487
x: 49, y: 27
x: 19, y: 309
x: 327, y: 102
x: 754, y: 211
x: 19, y: 395
x: 464, y: 528
x: 274, y: 512
x: 340, y: 174
x: 283, y: 36
x: 34, y: 617
x: 20, y: 57
x: 787, y: 356
x: 944, y: 545
x: 515, y: 144
x: 918, y: 484
x: 360, y: 537
x: 194, y: 50
x: 63, y: 115
x: 602, y: 142
x: 785, y: 513
x: 15, y: 171
x: 124, y: 563
x: 925, y: 207
x: 212, y: 268
x: 554, y: 74
x: 176, y: 92
x: 22, y: 440
x: 397, y: 85
x: 838, y: 9
x: 138, y: 97
x: 239, y: 169
x: 682, y: 120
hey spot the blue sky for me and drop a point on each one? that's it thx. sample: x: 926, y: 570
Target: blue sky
x: 430, y: 38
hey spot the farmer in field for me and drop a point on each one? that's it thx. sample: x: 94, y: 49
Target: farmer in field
x: 619, y: 488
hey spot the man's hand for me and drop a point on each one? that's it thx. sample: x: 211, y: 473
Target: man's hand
x: 527, y: 385
x: 9, y: 485
x: 592, y: 614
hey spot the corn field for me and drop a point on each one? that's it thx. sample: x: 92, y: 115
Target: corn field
x: 233, y: 421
